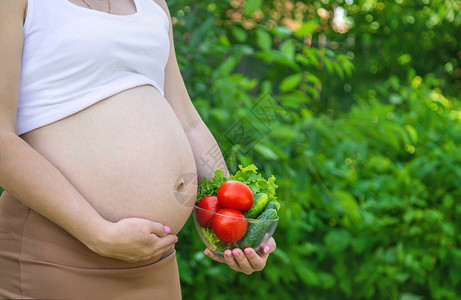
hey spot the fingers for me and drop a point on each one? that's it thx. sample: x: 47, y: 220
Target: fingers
x: 168, y: 241
x: 268, y: 248
x: 164, y: 241
x: 257, y: 262
x: 158, y: 228
x: 244, y: 263
x: 136, y: 239
x: 157, y: 248
x: 247, y: 261
x: 215, y: 257
x: 230, y: 261
x: 156, y: 239
x: 153, y: 227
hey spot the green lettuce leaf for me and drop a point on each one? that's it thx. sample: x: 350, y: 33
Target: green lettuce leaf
x: 257, y: 183
x: 208, y: 188
x: 248, y: 175
x: 215, y: 244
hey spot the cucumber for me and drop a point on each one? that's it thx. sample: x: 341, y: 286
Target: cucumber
x: 256, y: 231
x: 270, y: 205
x: 258, y: 205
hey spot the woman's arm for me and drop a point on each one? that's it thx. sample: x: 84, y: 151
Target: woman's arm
x: 24, y: 173
x: 208, y: 156
x: 32, y: 179
x: 203, y: 142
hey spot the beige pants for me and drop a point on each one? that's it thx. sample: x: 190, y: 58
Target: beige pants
x: 40, y: 260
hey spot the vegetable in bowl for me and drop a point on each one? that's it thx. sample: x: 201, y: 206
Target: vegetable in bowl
x: 236, y: 212
x: 248, y: 175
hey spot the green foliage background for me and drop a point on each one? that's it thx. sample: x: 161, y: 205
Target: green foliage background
x: 363, y: 140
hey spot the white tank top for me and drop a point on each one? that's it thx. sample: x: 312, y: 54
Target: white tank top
x: 74, y: 57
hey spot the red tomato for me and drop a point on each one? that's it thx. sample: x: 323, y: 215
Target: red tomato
x: 230, y: 225
x: 235, y: 194
x: 209, y: 203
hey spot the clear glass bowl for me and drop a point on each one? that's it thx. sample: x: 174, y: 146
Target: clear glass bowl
x: 260, y: 230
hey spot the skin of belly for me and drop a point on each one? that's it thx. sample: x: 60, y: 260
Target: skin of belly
x: 128, y: 155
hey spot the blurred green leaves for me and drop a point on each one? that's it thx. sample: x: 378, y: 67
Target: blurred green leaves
x: 252, y: 6
x: 263, y: 40
x: 291, y: 82
x: 362, y: 135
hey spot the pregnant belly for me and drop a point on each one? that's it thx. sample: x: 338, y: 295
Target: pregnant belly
x: 128, y: 155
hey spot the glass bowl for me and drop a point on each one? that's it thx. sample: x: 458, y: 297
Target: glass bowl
x: 258, y: 232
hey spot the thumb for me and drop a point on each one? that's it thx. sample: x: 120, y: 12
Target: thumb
x: 159, y: 229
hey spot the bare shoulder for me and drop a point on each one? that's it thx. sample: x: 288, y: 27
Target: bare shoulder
x: 13, y: 8
x: 12, y: 13
x: 162, y: 4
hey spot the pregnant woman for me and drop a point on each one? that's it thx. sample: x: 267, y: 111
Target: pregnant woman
x: 97, y: 136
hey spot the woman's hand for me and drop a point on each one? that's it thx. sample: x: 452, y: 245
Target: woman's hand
x: 134, y: 239
x: 247, y: 261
